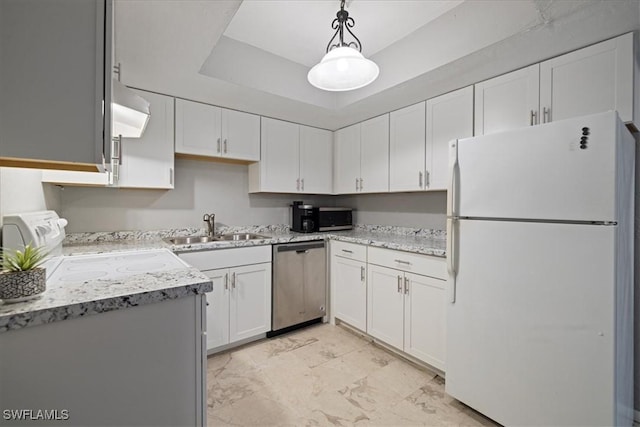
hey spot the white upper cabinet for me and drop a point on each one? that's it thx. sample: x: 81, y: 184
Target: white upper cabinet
x: 207, y: 130
x: 240, y: 135
x: 278, y: 169
x: 507, y: 102
x: 407, y: 148
x: 590, y: 80
x: 52, y: 81
x: 449, y: 117
x: 148, y: 162
x: 374, y: 155
x: 347, y: 160
x: 198, y: 128
x: 294, y: 159
x: 316, y: 160
x: 362, y: 157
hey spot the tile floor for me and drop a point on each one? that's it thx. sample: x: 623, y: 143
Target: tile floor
x: 326, y: 375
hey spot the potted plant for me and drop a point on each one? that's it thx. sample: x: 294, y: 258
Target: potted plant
x: 22, y: 278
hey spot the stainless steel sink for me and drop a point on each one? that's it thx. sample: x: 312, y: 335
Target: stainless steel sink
x: 190, y: 239
x: 221, y: 237
x: 239, y: 236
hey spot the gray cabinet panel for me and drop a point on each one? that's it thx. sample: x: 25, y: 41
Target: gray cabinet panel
x: 52, y: 78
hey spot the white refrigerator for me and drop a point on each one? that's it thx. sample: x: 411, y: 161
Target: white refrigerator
x: 540, y: 259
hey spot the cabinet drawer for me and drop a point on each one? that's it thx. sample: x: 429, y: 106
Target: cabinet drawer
x: 414, y: 263
x: 349, y: 250
x: 222, y: 258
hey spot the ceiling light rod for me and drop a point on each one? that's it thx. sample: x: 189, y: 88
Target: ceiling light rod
x: 343, y: 20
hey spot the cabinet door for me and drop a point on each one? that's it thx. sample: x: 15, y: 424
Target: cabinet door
x: 147, y: 162
x: 52, y: 79
x: 374, y: 155
x: 424, y: 319
x: 590, y: 80
x: 449, y: 117
x: 218, y: 309
x: 316, y: 160
x: 250, y: 301
x: 385, y: 305
x: 407, y: 148
x: 279, y: 161
x: 347, y: 160
x: 240, y: 135
x: 507, y: 102
x: 198, y: 128
x: 349, y: 287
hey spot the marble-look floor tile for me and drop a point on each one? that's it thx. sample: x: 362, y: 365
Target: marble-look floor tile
x: 326, y: 376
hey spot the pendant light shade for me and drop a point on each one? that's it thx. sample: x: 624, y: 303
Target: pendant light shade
x: 343, y: 67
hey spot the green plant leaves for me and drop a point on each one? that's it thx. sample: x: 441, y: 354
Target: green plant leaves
x: 17, y: 260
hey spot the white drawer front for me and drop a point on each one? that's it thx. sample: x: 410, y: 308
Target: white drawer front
x: 349, y: 250
x: 223, y: 258
x: 415, y: 263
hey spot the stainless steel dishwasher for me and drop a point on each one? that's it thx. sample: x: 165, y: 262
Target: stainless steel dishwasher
x: 299, y: 285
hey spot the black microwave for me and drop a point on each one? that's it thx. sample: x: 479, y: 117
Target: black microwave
x: 333, y: 218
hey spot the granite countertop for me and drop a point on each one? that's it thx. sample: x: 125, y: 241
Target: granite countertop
x: 97, y: 296
x: 421, y: 241
x: 71, y: 300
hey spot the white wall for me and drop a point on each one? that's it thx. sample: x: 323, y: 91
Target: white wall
x: 21, y: 190
x: 201, y: 187
x: 416, y: 210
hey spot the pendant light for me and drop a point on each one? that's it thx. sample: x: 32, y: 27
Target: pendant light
x: 343, y: 67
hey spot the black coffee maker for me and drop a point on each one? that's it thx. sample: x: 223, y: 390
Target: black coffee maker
x: 302, y: 218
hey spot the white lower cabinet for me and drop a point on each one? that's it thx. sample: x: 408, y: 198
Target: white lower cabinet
x: 349, y: 281
x: 407, y: 311
x: 239, y: 307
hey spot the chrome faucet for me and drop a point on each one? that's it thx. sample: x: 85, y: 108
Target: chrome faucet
x: 210, y: 220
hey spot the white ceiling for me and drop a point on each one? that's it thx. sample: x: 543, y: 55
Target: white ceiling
x: 177, y: 47
x: 300, y: 30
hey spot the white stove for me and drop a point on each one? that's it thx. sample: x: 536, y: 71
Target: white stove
x: 111, y: 266
x: 46, y: 228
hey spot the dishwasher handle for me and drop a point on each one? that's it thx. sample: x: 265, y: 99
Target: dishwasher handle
x: 300, y: 247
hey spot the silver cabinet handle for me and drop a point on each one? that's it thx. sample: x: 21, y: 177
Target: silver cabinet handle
x: 400, y: 284
x: 361, y: 184
x: 406, y: 285
x: 357, y: 184
x: 420, y: 179
x: 347, y: 251
x: 298, y: 184
x: 302, y: 184
x: 218, y: 145
x: 362, y: 274
x: 427, y: 176
x: 233, y: 280
x: 226, y: 280
x: 546, y: 115
x: 225, y: 145
x: 170, y: 176
x: 399, y: 261
x: 533, y: 118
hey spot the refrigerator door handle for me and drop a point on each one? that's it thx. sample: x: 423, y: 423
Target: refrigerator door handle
x: 453, y: 166
x: 451, y: 258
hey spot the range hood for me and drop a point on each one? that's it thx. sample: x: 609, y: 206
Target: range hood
x: 129, y: 112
